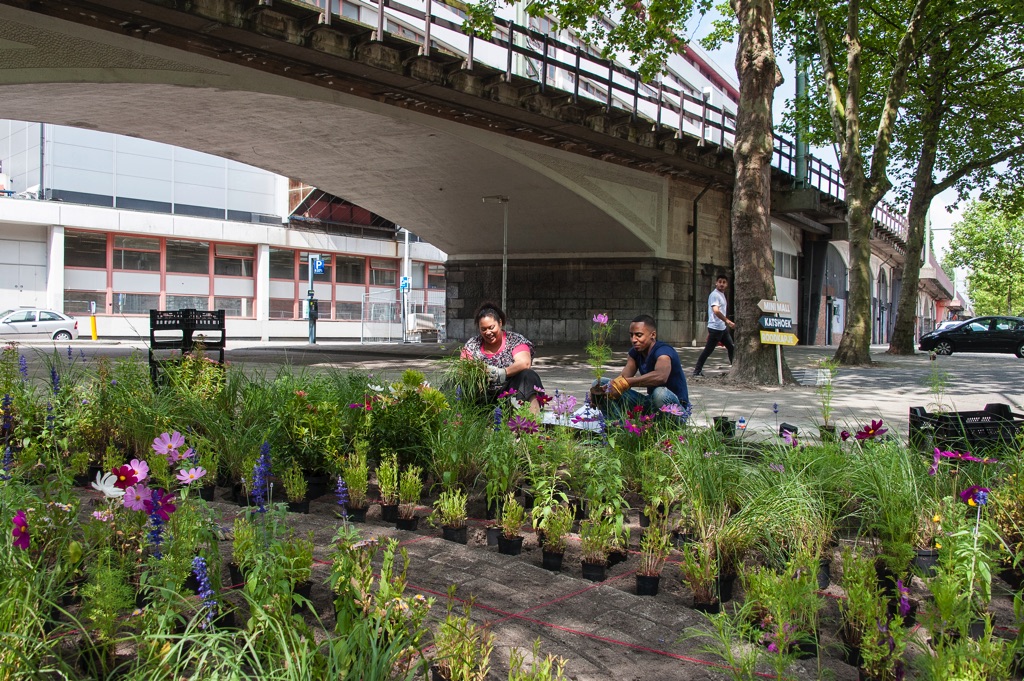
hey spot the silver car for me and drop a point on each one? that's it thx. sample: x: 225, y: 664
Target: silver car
x: 26, y: 323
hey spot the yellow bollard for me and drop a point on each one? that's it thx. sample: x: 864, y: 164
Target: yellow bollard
x: 92, y: 325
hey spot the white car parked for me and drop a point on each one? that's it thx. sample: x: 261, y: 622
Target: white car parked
x: 27, y: 323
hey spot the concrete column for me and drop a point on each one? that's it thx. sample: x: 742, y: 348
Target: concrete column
x: 262, y: 302
x: 55, y: 268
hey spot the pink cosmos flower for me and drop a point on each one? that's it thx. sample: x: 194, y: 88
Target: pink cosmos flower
x: 189, y: 475
x: 20, y: 531
x: 601, y: 318
x: 135, y: 497
x: 673, y: 409
x: 166, y: 443
x: 141, y: 469
x: 508, y: 393
x: 125, y: 477
x: 104, y: 516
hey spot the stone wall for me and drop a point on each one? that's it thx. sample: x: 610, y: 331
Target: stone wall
x: 553, y: 301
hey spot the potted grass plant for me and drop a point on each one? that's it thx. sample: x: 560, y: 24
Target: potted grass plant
x: 597, y: 536
x: 387, y: 481
x: 462, y: 648
x: 510, y: 541
x: 654, y: 549
x: 450, y: 511
x: 700, y: 572
x: 293, y: 479
x: 556, y: 525
x: 410, y: 487
x: 356, y: 474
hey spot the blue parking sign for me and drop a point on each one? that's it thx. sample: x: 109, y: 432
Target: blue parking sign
x: 318, y: 266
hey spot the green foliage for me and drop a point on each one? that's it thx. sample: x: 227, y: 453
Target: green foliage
x: 787, y: 603
x: 599, y: 352
x: 654, y: 549
x: 410, y: 487
x: 355, y: 472
x: 512, y: 516
x: 865, y: 604
x: 105, y: 597
x: 387, y: 479
x: 989, y: 240
x: 556, y: 525
x: 462, y: 647
x: 825, y: 389
x: 597, y: 538
x: 730, y: 640
x: 465, y: 378
x: 294, y: 480
x: 546, y: 668
x: 450, y: 508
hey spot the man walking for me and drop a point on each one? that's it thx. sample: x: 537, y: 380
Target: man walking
x: 718, y: 324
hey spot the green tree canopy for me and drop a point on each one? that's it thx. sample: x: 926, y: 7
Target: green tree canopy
x: 989, y: 241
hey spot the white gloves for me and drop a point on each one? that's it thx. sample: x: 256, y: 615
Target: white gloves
x: 495, y: 374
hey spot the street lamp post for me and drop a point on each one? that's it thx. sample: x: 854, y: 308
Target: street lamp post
x: 503, y: 200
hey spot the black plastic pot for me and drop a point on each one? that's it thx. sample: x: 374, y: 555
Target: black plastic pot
x: 236, y: 574
x: 408, y: 524
x: 647, y: 585
x: 551, y: 560
x: 681, y: 539
x: 207, y: 493
x: 493, y: 532
x: 824, y: 573
x: 725, y: 426
x: 356, y: 515
x: 459, y: 535
x: 926, y: 562
x: 298, y: 506
x: 319, y: 485
x: 304, y: 589
x: 389, y: 512
x: 712, y: 608
x: 510, y: 547
x: 725, y: 587
x: 595, y: 572
x: 616, y: 557
x: 644, y: 520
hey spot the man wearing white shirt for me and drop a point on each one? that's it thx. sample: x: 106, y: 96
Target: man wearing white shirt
x: 718, y: 324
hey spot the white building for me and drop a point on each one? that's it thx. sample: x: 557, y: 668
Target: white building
x: 131, y: 225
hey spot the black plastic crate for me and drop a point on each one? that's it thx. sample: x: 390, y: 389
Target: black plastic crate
x: 965, y: 430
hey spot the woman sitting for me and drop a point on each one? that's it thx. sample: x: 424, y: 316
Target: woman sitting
x: 507, y: 354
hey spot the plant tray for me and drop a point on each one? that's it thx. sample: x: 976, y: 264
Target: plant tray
x: 994, y: 425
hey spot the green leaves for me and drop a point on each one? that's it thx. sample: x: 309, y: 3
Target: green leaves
x: 990, y: 241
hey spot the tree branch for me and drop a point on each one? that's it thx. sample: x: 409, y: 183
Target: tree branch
x: 980, y: 164
x: 878, y: 182
x: 835, y: 102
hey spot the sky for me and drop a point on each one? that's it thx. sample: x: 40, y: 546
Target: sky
x: 941, y: 219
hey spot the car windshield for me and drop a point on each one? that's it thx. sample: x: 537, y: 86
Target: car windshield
x: 5, y: 313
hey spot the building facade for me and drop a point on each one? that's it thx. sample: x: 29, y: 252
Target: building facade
x: 90, y: 220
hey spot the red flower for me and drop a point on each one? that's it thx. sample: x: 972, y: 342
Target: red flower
x: 126, y: 477
x: 20, y: 531
x: 872, y: 431
x: 160, y: 505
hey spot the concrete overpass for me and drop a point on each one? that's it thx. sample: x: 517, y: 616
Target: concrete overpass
x: 601, y: 198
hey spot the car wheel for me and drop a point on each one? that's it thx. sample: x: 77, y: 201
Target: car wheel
x: 62, y: 336
x: 943, y: 347
x: 1020, y: 350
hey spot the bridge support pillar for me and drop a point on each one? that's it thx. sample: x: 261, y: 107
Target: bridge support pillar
x: 553, y: 301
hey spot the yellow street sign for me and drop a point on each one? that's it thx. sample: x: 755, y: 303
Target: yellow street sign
x: 776, y: 338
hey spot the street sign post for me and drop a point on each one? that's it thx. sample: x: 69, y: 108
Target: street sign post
x: 777, y: 338
x: 767, y: 323
x: 404, y: 285
x: 774, y: 307
x: 318, y: 266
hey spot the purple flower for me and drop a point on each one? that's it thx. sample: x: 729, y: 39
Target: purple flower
x: 775, y: 407
x: 23, y: 367
x: 772, y: 648
x: 508, y: 393
x: 673, y: 409
x: 975, y: 495
x: 789, y: 438
x: 6, y: 466
x: 55, y: 380
x: 260, y: 473
x: 522, y: 426
x: 205, y: 590
x: 845, y: 435
x: 872, y: 431
x: 20, y: 531
x: 777, y: 467
x: 904, y: 592
x: 341, y: 492
x: 497, y: 418
x: 564, y: 404
x: 541, y: 396
x: 601, y: 319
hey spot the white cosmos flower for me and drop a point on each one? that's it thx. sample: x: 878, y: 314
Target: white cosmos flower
x: 376, y: 388
x: 105, y: 483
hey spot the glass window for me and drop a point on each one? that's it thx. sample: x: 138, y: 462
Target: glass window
x: 22, y: 316
x: 234, y: 307
x: 304, y: 268
x: 145, y: 261
x: 350, y: 270
x: 419, y: 273
x: 436, y: 278
x: 282, y: 264
x: 233, y: 267
x: 282, y: 309
x: 77, y: 302
x: 137, y: 243
x: 135, y: 303
x: 188, y: 302
x: 189, y: 257
x: 383, y: 272
x: 85, y: 249
x: 45, y: 316
x: 349, y: 311
x: 233, y: 251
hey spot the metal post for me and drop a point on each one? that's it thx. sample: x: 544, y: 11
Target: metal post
x: 504, y: 257
x: 576, y: 78
x: 801, y: 145
x: 380, y: 21
x: 703, y: 117
x: 544, y: 67
x: 425, y: 50
x: 469, y: 55
x: 611, y: 79
x: 405, y: 291
x: 657, y: 121
x: 508, y: 61
x: 325, y: 18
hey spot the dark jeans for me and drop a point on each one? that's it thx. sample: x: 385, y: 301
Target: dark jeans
x: 524, y: 383
x: 713, y: 337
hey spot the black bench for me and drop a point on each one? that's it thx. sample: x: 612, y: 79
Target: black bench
x: 184, y: 326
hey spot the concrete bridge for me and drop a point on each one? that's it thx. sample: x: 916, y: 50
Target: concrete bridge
x: 603, y: 188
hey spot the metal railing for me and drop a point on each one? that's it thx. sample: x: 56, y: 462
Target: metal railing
x: 669, y: 104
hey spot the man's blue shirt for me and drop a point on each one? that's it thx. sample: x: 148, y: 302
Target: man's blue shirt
x: 676, y: 380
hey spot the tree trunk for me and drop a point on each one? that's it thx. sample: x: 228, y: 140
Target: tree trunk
x: 904, y: 341
x: 751, y: 199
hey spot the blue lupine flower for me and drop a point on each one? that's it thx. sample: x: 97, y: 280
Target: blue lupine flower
x: 55, y: 379
x: 6, y: 466
x: 23, y: 367
x: 205, y: 590
x: 260, y: 473
x: 156, y: 522
x: 81, y: 355
x: 497, y: 418
x: 458, y: 392
x: 341, y: 491
x: 49, y: 416
x: 7, y: 407
x: 113, y: 381
x: 71, y: 355
x: 775, y: 407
